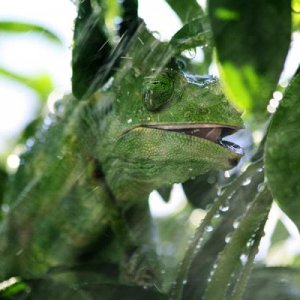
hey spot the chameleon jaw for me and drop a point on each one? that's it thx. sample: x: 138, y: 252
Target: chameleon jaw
x: 212, y: 132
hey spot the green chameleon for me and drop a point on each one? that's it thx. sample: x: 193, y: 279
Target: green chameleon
x: 91, y: 167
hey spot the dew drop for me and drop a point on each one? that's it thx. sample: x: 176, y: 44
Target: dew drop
x: 260, y: 187
x: 208, y: 228
x: 220, y: 191
x: 243, y: 259
x: 5, y: 208
x: 247, y: 181
x: 228, y: 237
x: 236, y: 223
x: 250, y: 243
x: 224, y: 207
x: 217, y: 216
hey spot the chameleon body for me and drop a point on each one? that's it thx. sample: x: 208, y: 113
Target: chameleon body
x: 94, y: 166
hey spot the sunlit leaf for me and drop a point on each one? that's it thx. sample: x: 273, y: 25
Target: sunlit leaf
x: 15, y: 289
x: 282, y: 152
x: 252, y: 39
x: 42, y: 84
x: 21, y: 27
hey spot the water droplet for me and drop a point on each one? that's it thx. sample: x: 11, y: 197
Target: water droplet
x: 217, y: 216
x: 5, y: 208
x: 228, y: 237
x: 13, y: 162
x: 259, y: 170
x: 260, y: 187
x: 20, y: 252
x: 250, y: 243
x: 209, y: 228
x: 247, y: 181
x: 244, y: 258
x: 208, y: 206
x: 227, y: 174
x: 29, y: 143
x: 236, y: 222
x: 224, y: 208
x: 220, y: 191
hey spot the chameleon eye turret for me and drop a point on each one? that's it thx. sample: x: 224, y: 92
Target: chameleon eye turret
x: 158, y: 90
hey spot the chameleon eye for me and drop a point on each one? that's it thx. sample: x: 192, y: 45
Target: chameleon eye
x: 158, y: 90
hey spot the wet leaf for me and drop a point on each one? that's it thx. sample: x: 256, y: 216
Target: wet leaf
x: 252, y: 43
x: 186, y: 10
x: 193, y: 34
x: 273, y: 283
x: 21, y: 27
x: 207, y: 184
x: 91, y: 50
x: 282, y: 152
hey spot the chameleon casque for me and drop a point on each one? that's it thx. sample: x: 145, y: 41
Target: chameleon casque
x: 94, y: 166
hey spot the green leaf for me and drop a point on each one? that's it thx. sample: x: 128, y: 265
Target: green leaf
x: 42, y: 84
x: 208, y: 186
x: 282, y: 152
x: 14, y: 290
x: 91, y: 51
x: 21, y: 27
x: 252, y: 42
x: 186, y: 10
x: 273, y: 283
x: 193, y: 34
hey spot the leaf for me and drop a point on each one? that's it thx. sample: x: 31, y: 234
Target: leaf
x: 193, y: 34
x: 208, y: 186
x: 91, y: 50
x: 21, y: 27
x: 42, y: 84
x: 273, y: 283
x: 186, y: 10
x: 129, y: 17
x: 95, y: 57
x: 282, y: 152
x: 252, y: 43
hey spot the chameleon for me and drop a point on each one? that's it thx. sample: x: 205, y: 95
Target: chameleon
x: 93, y: 164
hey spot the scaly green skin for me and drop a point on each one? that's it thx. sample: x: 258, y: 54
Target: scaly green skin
x: 97, y: 163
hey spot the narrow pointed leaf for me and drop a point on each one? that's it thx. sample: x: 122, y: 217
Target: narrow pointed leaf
x: 21, y: 27
x: 41, y: 84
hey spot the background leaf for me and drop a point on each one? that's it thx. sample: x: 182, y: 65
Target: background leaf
x: 22, y: 27
x: 42, y: 84
x: 252, y: 42
x: 282, y: 152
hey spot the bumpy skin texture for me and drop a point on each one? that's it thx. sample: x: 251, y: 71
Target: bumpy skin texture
x: 99, y: 160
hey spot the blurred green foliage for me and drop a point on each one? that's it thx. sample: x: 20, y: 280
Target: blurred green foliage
x: 251, y: 42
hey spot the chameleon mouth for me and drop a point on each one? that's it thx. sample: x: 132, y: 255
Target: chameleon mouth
x: 212, y: 132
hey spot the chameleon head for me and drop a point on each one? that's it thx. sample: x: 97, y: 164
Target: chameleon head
x: 170, y: 128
